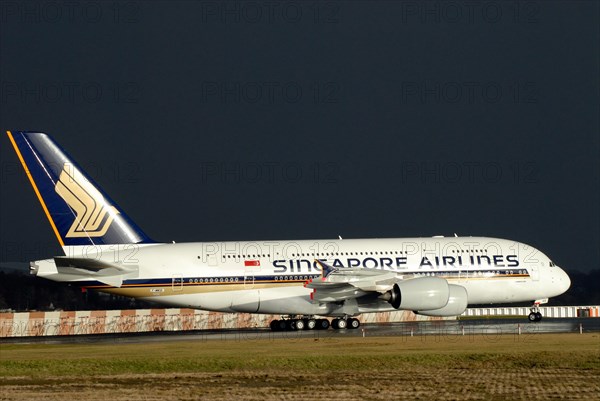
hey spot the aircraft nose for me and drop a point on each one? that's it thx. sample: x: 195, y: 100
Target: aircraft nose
x: 564, y: 281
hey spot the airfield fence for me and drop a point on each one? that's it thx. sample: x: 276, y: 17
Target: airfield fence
x: 547, y: 311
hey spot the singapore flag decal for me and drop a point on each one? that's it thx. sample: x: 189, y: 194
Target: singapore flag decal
x: 252, y: 263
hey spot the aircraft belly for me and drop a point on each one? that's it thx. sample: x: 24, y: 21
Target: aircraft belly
x: 246, y: 301
x: 226, y: 301
x: 290, y: 301
x: 286, y: 300
x: 482, y: 292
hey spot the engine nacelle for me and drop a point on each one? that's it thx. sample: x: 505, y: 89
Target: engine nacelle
x: 423, y: 293
x: 457, y: 303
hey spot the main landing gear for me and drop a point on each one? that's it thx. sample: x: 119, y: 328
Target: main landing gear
x: 310, y: 323
x: 535, y: 315
x: 347, y: 323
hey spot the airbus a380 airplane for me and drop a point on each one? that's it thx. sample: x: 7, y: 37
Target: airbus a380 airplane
x: 106, y: 251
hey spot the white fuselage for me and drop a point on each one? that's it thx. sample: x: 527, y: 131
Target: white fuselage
x: 269, y: 276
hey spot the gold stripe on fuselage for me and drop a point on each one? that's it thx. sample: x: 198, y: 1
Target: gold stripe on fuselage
x: 169, y: 289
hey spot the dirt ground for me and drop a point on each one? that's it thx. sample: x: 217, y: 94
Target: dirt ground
x: 417, y: 384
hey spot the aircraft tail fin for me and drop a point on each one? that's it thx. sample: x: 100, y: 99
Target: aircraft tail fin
x: 79, y: 212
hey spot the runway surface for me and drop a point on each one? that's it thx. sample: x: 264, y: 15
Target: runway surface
x: 437, y: 330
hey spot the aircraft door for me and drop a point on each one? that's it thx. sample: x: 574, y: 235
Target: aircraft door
x: 247, y: 301
x: 177, y: 283
x: 534, y: 272
x: 249, y: 278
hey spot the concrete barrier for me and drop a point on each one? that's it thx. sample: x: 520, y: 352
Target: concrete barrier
x: 33, y: 324
x: 61, y: 323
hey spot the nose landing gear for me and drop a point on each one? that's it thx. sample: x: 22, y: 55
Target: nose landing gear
x: 535, y: 315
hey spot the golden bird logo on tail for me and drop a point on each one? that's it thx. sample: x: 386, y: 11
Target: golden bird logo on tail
x: 93, y: 215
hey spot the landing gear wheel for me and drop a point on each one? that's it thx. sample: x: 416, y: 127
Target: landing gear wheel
x: 282, y: 325
x: 300, y: 324
x: 274, y: 325
x: 353, y: 323
x: 291, y: 325
x: 322, y: 324
x: 311, y: 324
x: 535, y: 315
x: 340, y: 324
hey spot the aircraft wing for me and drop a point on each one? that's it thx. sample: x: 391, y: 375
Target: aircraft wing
x: 92, y: 269
x: 336, y: 285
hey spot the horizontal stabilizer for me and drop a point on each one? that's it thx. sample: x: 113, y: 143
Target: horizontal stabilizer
x: 93, y: 269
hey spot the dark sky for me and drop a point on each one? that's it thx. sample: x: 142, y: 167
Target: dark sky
x: 257, y: 120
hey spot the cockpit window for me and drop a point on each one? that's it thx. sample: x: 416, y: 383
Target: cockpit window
x: 552, y: 264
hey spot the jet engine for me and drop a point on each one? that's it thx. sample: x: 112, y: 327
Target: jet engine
x: 457, y: 303
x: 422, y: 294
